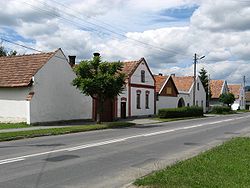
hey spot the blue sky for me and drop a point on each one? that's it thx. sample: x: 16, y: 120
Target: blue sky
x: 166, y: 33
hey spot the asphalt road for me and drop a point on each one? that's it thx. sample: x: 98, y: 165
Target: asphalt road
x: 110, y: 158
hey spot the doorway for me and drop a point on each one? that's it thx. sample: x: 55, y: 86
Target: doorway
x: 123, y: 110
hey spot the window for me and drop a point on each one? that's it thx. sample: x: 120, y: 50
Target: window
x: 147, y: 100
x: 197, y: 103
x: 169, y: 90
x: 143, y: 76
x: 198, y: 86
x: 201, y: 103
x: 187, y: 104
x: 138, y: 99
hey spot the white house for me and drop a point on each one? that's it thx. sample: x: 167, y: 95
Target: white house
x: 217, y: 87
x: 37, y: 88
x: 166, y: 91
x: 185, y: 85
x: 138, y: 97
x: 235, y: 89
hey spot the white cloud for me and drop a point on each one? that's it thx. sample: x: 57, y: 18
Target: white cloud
x: 218, y: 29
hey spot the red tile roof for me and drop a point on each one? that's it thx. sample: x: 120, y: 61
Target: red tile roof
x: 248, y: 96
x: 216, y: 88
x: 183, y: 83
x: 159, y: 81
x: 234, y: 89
x: 17, y: 71
x: 130, y: 66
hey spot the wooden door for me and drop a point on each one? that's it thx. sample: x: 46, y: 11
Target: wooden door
x: 123, y: 110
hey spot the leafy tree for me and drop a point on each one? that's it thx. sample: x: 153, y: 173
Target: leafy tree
x: 100, y: 80
x: 227, y: 98
x: 4, y: 52
x: 205, y: 82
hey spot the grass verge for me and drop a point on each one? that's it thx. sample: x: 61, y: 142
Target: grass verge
x: 13, y: 125
x: 226, y: 166
x: 57, y: 131
x: 176, y: 119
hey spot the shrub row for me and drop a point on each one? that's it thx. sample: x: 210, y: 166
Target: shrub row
x: 180, y: 112
x: 220, y: 109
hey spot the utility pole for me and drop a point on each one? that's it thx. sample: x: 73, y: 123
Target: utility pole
x: 208, y: 92
x: 194, y: 86
x: 244, y: 92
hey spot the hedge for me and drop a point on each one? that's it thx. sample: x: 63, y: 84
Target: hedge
x: 220, y: 109
x: 180, y: 112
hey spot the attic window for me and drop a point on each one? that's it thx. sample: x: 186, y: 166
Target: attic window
x: 143, y: 76
x: 198, y: 86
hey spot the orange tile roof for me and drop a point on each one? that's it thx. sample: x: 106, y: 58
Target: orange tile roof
x: 215, y: 88
x: 17, y: 71
x: 248, y: 96
x: 183, y: 83
x: 130, y: 66
x: 159, y: 81
x: 234, y: 89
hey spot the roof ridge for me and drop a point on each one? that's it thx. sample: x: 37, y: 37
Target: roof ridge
x: 41, y: 53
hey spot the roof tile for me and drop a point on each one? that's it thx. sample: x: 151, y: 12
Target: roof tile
x: 215, y: 88
x: 17, y: 71
x: 183, y: 83
x: 235, y: 89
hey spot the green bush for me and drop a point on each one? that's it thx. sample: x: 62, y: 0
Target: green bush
x: 221, y: 109
x: 180, y: 112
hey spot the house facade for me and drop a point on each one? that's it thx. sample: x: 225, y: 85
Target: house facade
x: 217, y: 87
x: 138, y: 97
x: 185, y: 86
x: 166, y: 92
x: 235, y: 90
x: 37, y: 88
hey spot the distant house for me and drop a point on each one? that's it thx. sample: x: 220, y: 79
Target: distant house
x: 247, y: 100
x: 235, y: 89
x: 37, y: 88
x: 166, y: 92
x: 217, y: 87
x: 185, y: 85
x: 138, y: 96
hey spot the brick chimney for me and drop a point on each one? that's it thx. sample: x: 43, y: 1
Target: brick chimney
x: 72, y: 60
x: 96, y: 54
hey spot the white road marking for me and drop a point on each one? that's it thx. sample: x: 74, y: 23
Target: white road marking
x: 21, y: 158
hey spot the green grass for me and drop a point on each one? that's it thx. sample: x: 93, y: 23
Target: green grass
x: 13, y: 125
x: 226, y: 166
x: 57, y: 131
x: 242, y: 111
x: 176, y: 119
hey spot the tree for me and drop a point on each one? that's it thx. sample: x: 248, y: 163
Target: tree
x: 205, y: 82
x: 227, y: 98
x: 100, y: 80
x: 4, y: 52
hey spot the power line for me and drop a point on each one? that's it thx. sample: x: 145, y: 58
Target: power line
x: 111, y: 31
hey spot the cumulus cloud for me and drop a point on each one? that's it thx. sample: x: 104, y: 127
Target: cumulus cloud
x: 217, y: 29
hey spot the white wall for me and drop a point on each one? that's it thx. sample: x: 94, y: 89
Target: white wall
x: 55, y: 99
x: 166, y: 102
x: 200, y: 95
x: 136, y: 77
x: 13, y: 104
x: 125, y: 95
x: 142, y: 111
